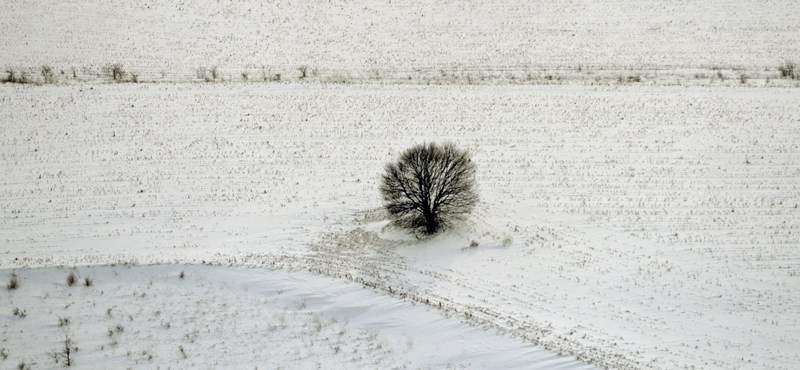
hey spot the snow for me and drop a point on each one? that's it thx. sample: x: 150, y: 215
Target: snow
x: 637, y: 167
x: 223, y: 317
x: 645, y: 227
x: 442, y: 41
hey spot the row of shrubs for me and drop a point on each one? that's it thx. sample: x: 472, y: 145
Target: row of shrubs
x: 117, y: 73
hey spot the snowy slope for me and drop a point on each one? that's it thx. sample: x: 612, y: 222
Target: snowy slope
x: 219, y: 317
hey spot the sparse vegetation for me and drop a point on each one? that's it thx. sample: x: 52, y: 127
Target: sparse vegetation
x: 788, y: 70
x: 429, y: 187
x: 117, y: 72
x: 182, y: 275
x: 87, y: 282
x: 19, y: 312
x: 65, y: 354
x: 4, y: 353
x: 742, y: 78
x: 13, y: 282
x: 16, y: 76
x: 207, y: 74
x: 47, y: 74
x: 72, y: 278
x: 63, y: 321
x: 303, y: 72
x: 116, y: 329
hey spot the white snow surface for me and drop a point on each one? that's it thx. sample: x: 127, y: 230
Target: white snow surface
x: 629, y: 226
x: 175, y: 316
x: 418, y: 40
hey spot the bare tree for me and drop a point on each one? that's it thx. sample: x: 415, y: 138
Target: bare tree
x: 429, y: 187
x: 66, y: 354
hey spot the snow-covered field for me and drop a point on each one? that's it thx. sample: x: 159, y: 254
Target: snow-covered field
x: 638, y: 166
x: 628, y: 226
x: 409, y: 41
x: 175, y: 316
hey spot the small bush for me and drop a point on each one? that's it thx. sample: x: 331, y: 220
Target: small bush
x: 13, y: 282
x: 15, y: 76
x: 200, y: 73
x: 207, y: 74
x: 182, y: 275
x: 788, y: 70
x: 18, y: 312
x: 117, y: 72
x: 4, y: 353
x: 116, y: 329
x: 65, y: 354
x: 63, y: 321
x: 72, y: 278
x: 48, y: 75
x: 743, y: 78
x: 303, y: 71
x: 87, y: 282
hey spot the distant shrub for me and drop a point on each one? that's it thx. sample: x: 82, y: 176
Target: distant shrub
x: 88, y: 282
x: 117, y: 72
x: 19, y: 312
x: 16, y: 76
x: 207, y: 74
x: 72, y: 278
x: 743, y: 78
x: 303, y: 71
x: 13, y: 282
x: 116, y: 329
x: 200, y: 73
x: 48, y: 75
x: 788, y: 70
x: 65, y: 354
